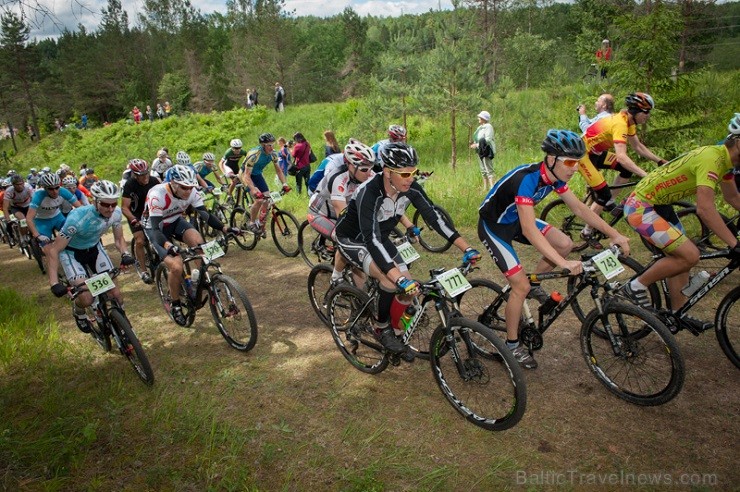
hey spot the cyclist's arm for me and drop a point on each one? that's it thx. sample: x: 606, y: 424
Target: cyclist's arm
x: 246, y: 178
x: 581, y: 210
x: 211, y: 219
x: 201, y: 181
x: 52, y: 257
x: 707, y: 212
x: 6, y: 208
x: 438, y: 222
x: 730, y: 193
x: 406, y: 222
x: 641, y: 149
x: 339, y: 206
x: 126, y: 209
x: 527, y: 220
x: 120, y: 241
x: 620, y: 149
x: 155, y: 222
x: 30, y: 216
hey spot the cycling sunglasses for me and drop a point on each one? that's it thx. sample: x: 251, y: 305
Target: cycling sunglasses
x: 405, y: 174
x: 365, y: 169
x: 108, y: 205
x: 569, y: 161
x: 52, y: 188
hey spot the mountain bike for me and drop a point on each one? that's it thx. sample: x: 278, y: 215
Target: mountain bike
x: 313, y: 246
x: 474, y: 370
x: 430, y: 240
x: 218, y: 210
x: 4, y: 236
x: 230, y: 307
x: 283, y: 226
x: 19, y: 239
x: 107, y: 319
x: 558, y: 214
x: 151, y: 258
x: 37, y: 254
x: 629, y: 349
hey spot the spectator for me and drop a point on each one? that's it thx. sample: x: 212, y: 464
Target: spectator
x: 160, y: 111
x: 149, y: 113
x: 31, y: 133
x: 84, y: 121
x: 167, y: 109
x: 301, y: 153
x: 604, y: 107
x: 255, y: 98
x: 284, y: 156
x: 250, y: 99
x: 280, y: 100
x: 603, y: 57
x: 136, y: 112
x: 331, y: 146
x: 484, y: 142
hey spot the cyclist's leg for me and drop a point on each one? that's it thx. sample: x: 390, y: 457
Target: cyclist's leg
x: 609, y: 161
x: 259, y: 182
x: 192, y: 238
x: 557, y: 239
x: 73, y: 264
x: 102, y: 263
x: 138, y: 237
x: 20, y: 214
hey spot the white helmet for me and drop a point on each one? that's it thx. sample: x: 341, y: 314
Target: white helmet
x: 182, y: 158
x: 183, y: 175
x: 49, y: 180
x: 104, y: 190
x: 236, y: 143
x: 70, y: 183
x: 46, y: 169
x: 734, y: 126
x: 162, y: 153
x: 358, y: 153
x: 209, y: 157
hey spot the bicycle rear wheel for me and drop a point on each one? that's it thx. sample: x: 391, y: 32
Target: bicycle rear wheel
x: 233, y: 313
x: 558, y: 214
x: 644, y: 365
x: 240, y: 219
x: 430, y: 240
x: 478, y: 375
x: 727, y: 325
x: 310, y: 246
x: 284, y: 228
x: 319, y: 286
x: 351, y: 328
x: 131, y: 347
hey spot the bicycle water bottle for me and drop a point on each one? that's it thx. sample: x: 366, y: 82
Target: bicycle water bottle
x: 189, y: 286
x: 550, y: 303
x: 194, y: 276
x: 404, y: 322
x: 696, y: 282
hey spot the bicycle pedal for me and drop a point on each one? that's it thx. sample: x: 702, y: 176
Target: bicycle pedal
x: 395, y: 359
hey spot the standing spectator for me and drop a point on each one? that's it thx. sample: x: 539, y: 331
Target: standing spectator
x: 301, y: 153
x: 160, y: 111
x: 604, y: 107
x: 31, y: 133
x: 483, y: 141
x: 331, y: 146
x: 149, y: 113
x: 84, y: 121
x: 167, y: 109
x: 256, y: 96
x: 250, y: 99
x: 280, y: 100
x: 57, y: 124
x: 604, y: 56
x: 284, y: 156
x: 137, y: 114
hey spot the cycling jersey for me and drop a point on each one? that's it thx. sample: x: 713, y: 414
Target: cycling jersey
x: 524, y: 185
x: 137, y: 194
x: 162, y: 203
x: 160, y: 167
x: 334, y: 161
x: 232, y: 159
x: 84, y: 226
x: 257, y: 159
x: 19, y: 199
x: 337, y: 185
x: 679, y: 178
x: 67, y: 207
x: 47, y: 207
x: 202, y: 169
x: 371, y: 215
x: 599, y: 138
x: 33, y: 179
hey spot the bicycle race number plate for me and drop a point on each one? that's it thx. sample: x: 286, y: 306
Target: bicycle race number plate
x: 276, y: 196
x: 99, y: 283
x: 407, y: 252
x: 608, y: 264
x: 454, y: 282
x: 212, y: 250
x: 23, y: 223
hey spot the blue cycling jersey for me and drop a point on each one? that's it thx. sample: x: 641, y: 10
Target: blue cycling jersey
x: 47, y: 207
x: 258, y: 159
x: 85, y: 226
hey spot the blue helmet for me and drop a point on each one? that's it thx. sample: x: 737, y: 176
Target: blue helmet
x: 564, y: 143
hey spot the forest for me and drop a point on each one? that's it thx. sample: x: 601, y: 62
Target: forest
x: 440, y: 62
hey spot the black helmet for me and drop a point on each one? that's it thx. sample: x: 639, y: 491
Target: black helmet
x: 564, y: 143
x: 398, y: 154
x: 266, y: 138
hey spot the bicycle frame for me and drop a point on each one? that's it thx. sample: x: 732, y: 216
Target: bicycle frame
x: 204, y: 280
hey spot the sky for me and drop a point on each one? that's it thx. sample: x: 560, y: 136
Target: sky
x: 71, y: 13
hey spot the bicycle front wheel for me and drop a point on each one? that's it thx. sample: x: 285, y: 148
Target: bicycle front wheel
x: 240, y: 219
x: 351, y: 325
x: 559, y: 215
x: 319, y: 286
x: 131, y: 347
x: 478, y: 375
x: 233, y: 313
x: 485, y: 303
x: 726, y: 325
x: 284, y: 228
x: 38, y: 255
x: 429, y: 239
x: 643, y: 365
x: 307, y: 242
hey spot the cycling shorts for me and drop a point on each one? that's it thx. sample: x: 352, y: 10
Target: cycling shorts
x: 358, y: 255
x: 174, y: 229
x: 46, y: 227
x: 231, y: 170
x: 77, y: 262
x: 23, y: 210
x: 590, y: 164
x: 259, y: 182
x: 659, y: 224
x: 497, y: 239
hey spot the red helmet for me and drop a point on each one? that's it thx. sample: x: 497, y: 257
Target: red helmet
x: 397, y: 132
x: 138, y: 166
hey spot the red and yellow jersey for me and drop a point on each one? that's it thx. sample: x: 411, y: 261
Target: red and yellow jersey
x: 602, y: 134
x: 678, y: 179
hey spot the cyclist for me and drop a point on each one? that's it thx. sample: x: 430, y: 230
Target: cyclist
x: 396, y: 133
x: 648, y: 211
x: 78, y: 247
x: 165, y: 204
x: 16, y: 201
x: 183, y: 159
x: 205, y: 167
x: 71, y: 184
x: 507, y: 215
x: 362, y: 233
x: 332, y: 161
x: 615, y: 131
x: 88, y: 179
x: 33, y: 177
x: 132, y: 207
x: 161, y: 164
x: 337, y: 187
x: 45, y: 212
x: 229, y: 165
x: 257, y: 158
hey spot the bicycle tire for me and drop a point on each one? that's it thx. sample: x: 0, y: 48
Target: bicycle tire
x: 240, y: 219
x: 630, y: 370
x: 226, y: 294
x: 351, y: 329
x: 484, y: 303
x: 284, y: 229
x: 188, y: 310
x: 319, y: 286
x: 726, y: 325
x: 38, y: 255
x: 131, y: 347
x: 308, y: 238
x: 489, y: 391
x: 559, y: 215
x: 98, y: 332
x: 656, y: 299
x: 430, y: 240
